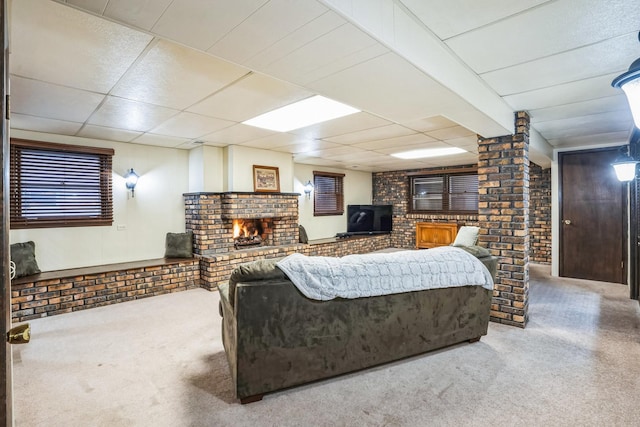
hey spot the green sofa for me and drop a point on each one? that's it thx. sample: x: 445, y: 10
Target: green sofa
x: 274, y: 337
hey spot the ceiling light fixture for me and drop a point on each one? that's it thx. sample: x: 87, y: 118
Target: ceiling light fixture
x: 629, y: 82
x: 429, y: 152
x: 309, y: 111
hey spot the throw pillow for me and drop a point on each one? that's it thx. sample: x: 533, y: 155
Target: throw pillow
x: 179, y: 245
x: 467, y: 236
x: 24, y: 257
x: 303, y: 235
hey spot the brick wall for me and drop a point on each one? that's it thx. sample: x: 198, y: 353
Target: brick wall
x: 392, y: 188
x: 503, y: 214
x: 46, y: 295
x: 540, y: 214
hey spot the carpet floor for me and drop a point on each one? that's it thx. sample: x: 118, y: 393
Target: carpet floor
x: 160, y: 362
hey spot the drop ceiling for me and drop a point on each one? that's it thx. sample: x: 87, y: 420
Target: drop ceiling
x: 424, y: 73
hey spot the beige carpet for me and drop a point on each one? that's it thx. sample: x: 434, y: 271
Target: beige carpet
x: 159, y: 362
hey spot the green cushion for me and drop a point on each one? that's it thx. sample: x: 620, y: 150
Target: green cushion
x: 24, y: 257
x: 303, y: 235
x: 179, y: 245
x: 478, y: 251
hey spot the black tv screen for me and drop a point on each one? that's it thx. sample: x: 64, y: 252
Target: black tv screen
x: 369, y: 219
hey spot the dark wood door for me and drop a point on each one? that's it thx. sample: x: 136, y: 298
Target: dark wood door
x: 592, y: 217
x: 6, y: 414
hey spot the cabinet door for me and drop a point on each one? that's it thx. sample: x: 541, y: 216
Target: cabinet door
x: 431, y: 235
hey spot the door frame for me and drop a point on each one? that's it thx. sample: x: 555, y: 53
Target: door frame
x: 6, y: 414
x: 625, y: 214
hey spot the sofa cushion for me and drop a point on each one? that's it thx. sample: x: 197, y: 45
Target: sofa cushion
x: 179, y: 245
x: 263, y: 269
x: 467, y: 236
x: 477, y: 251
x: 23, y: 255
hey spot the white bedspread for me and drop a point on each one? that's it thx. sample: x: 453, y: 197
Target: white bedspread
x: 355, y: 276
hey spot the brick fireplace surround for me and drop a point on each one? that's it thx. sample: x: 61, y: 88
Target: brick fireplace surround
x: 210, y: 216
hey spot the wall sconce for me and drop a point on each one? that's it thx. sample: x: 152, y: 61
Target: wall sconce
x: 131, y: 179
x: 625, y: 166
x: 308, y: 188
x: 629, y: 82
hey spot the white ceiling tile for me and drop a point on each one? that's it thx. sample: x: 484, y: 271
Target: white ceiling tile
x: 249, y: 97
x: 409, y: 147
x: 189, y: 125
x: 39, y: 124
x: 557, y: 26
x: 463, y: 142
x: 585, y: 108
x: 51, y: 101
x: 62, y: 45
x: 100, y: 132
x: 334, y: 46
x: 430, y: 123
x: 200, y: 23
x: 582, y: 63
x: 343, y: 125
x: 400, y: 141
x: 296, y: 39
x: 451, y: 17
x: 130, y: 115
x: 160, y: 140
x: 316, y: 161
x: 343, y: 63
x: 95, y: 6
x: 236, y: 134
x: 306, y: 146
x: 276, y: 140
x: 576, y: 91
x: 584, y: 125
x: 265, y: 27
x: 391, y: 87
x: 620, y: 137
x: 138, y: 13
x: 175, y: 76
x: 337, y: 153
x: 372, y: 134
x: 451, y: 133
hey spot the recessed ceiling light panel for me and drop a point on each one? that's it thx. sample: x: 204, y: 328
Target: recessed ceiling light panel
x: 429, y: 152
x: 301, y: 114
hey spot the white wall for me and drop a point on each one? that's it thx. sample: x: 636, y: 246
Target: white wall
x: 358, y: 189
x: 206, y: 169
x: 240, y: 161
x: 140, y: 223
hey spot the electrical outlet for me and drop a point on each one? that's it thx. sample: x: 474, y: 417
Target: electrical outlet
x: 122, y: 227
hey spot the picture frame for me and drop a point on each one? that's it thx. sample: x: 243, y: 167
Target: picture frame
x: 266, y: 179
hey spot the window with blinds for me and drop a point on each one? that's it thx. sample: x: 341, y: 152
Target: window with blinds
x: 56, y: 185
x: 442, y: 192
x: 328, y: 193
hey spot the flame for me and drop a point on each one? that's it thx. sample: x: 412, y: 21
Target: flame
x: 236, y: 229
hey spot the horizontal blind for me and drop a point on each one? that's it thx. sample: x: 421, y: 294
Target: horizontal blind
x: 463, y: 192
x: 328, y: 193
x: 59, y: 187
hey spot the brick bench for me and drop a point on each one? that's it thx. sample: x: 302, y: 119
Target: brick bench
x: 63, y: 291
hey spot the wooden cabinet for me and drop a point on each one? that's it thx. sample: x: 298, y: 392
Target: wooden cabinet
x: 432, y: 234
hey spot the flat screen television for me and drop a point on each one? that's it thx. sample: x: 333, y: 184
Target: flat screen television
x: 369, y: 219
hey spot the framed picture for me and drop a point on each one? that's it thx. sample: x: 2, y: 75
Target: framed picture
x: 266, y: 179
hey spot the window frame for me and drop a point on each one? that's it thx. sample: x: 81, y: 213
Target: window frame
x: 446, y: 174
x: 103, y: 161
x: 318, y: 195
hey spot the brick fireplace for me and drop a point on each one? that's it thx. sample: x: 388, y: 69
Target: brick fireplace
x: 211, y: 217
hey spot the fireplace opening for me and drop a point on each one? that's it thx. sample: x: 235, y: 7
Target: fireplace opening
x: 250, y: 232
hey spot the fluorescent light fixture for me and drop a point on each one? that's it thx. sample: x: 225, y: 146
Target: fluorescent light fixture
x: 302, y: 113
x: 429, y: 152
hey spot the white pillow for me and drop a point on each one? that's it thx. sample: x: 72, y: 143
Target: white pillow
x: 467, y: 236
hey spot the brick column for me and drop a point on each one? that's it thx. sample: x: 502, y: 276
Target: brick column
x: 503, y: 215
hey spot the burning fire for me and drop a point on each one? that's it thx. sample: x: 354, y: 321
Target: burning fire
x: 243, y: 228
